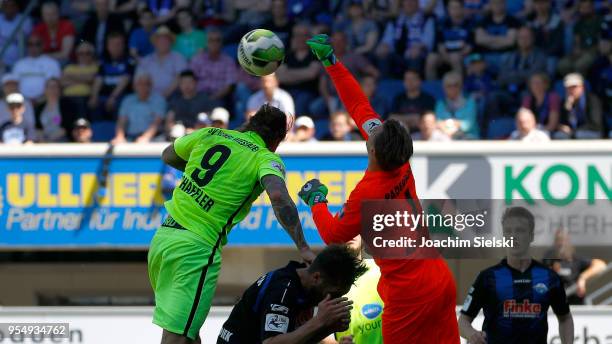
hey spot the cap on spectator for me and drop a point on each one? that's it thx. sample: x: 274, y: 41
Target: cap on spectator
x: 82, y: 123
x: 163, y: 31
x: 220, y: 114
x: 9, y: 77
x: 15, y: 98
x: 203, y: 118
x: 473, y: 58
x: 304, y: 121
x: 573, y: 79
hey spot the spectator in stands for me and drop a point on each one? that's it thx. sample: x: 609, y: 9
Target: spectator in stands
x: 357, y: 64
x: 475, y: 9
x: 78, y: 78
x: 362, y: 33
x: 341, y: 128
x: 571, y: 267
x: 99, y: 24
x: 543, y: 102
x: 581, y: 114
x: 280, y: 23
x: 9, y: 19
x: 216, y: 71
x: 381, y: 11
x: 526, y: 128
x: 409, y: 105
x: 548, y: 28
x: 185, y: 107
x: 428, y: 129
x: 379, y: 104
x: 304, y: 130
x: 163, y: 65
x: 16, y: 130
x: 81, y: 131
x: 478, y: 81
x: 140, y: 38
x: 300, y: 72
x: 585, y: 35
x: 191, y: 40
x: 35, y: 69
x: 454, y: 41
x: 141, y: 113
x: 10, y: 84
x: 219, y: 118
x: 518, y: 65
x: 457, y: 111
x: 163, y: 11
x: 58, y: 35
x: 271, y: 94
x: 52, y: 116
x: 496, y: 33
x: 600, y: 75
x: 406, y: 40
x: 113, y: 78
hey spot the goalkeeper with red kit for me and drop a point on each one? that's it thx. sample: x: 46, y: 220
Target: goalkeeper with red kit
x: 419, y: 294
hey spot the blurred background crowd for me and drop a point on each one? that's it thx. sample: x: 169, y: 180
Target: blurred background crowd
x: 153, y: 70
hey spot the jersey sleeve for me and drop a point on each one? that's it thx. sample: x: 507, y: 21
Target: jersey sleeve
x: 343, y: 226
x: 475, y: 297
x: 278, y: 311
x: 184, y: 144
x: 353, y: 98
x: 558, y: 299
x: 270, y: 163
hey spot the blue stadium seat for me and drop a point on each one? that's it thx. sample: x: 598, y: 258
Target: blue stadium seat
x: 322, y: 127
x: 389, y: 89
x: 500, y: 128
x: 103, y: 131
x: 433, y: 88
x: 231, y: 50
x: 559, y: 88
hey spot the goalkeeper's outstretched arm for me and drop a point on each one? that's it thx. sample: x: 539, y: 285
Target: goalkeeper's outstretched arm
x: 353, y: 98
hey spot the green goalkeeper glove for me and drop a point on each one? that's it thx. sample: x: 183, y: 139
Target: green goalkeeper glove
x: 313, y: 192
x: 322, y: 49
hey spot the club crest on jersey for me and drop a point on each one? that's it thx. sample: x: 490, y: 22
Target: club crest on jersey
x: 277, y: 323
x: 370, y: 125
x: 371, y: 310
x: 540, y: 288
x: 526, y: 309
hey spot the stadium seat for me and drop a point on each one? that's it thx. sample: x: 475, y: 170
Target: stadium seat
x: 231, y: 50
x: 389, y: 89
x: 433, y: 88
x: 500, y: 128
x: 322, y: 127
x: 103, y: 131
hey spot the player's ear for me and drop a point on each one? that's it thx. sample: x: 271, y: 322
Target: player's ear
x: 316, y: 278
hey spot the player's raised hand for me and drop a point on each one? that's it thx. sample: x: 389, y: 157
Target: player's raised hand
x: 478, y: 337
x: 321, y: 47
x: 313, y: 192
x: 334, y: 314
x: 346, y: 340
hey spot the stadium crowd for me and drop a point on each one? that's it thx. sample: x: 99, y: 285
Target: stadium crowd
x: 153, y: 70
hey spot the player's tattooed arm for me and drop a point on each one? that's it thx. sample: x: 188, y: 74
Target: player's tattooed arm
x: 286, y: 212
x: 170, y: 157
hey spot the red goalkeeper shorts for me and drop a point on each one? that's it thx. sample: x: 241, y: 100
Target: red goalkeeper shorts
x: 431, y: 322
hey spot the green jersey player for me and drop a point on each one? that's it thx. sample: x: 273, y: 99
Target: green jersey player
x: 225, y: 171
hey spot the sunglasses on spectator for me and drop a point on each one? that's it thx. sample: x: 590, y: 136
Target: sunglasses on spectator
x: 14, y: 105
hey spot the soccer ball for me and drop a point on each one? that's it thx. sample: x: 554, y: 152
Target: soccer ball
x: 260, y: 52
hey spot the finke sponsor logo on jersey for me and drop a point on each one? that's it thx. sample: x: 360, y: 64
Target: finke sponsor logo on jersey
x: 279, y: 308
x: 526, y: 309
x: 521, y: 281
x: 277, y: 323
x: 371, y: 310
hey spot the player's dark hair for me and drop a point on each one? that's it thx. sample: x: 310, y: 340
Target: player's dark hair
x: 339, y: 265
x: 392, y: 145
x: 522, y: 213
x: 270, y: 123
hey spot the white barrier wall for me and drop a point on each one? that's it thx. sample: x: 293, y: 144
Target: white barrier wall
x: 119, y: 325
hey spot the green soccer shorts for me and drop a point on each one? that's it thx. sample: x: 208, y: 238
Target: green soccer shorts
x: 183, y: 270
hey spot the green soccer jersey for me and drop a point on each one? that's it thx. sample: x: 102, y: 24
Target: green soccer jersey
x: 221, y: 179
x: 366, y: 315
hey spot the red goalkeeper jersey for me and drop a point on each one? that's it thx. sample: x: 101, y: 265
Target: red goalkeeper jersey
x: 402, y: 281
